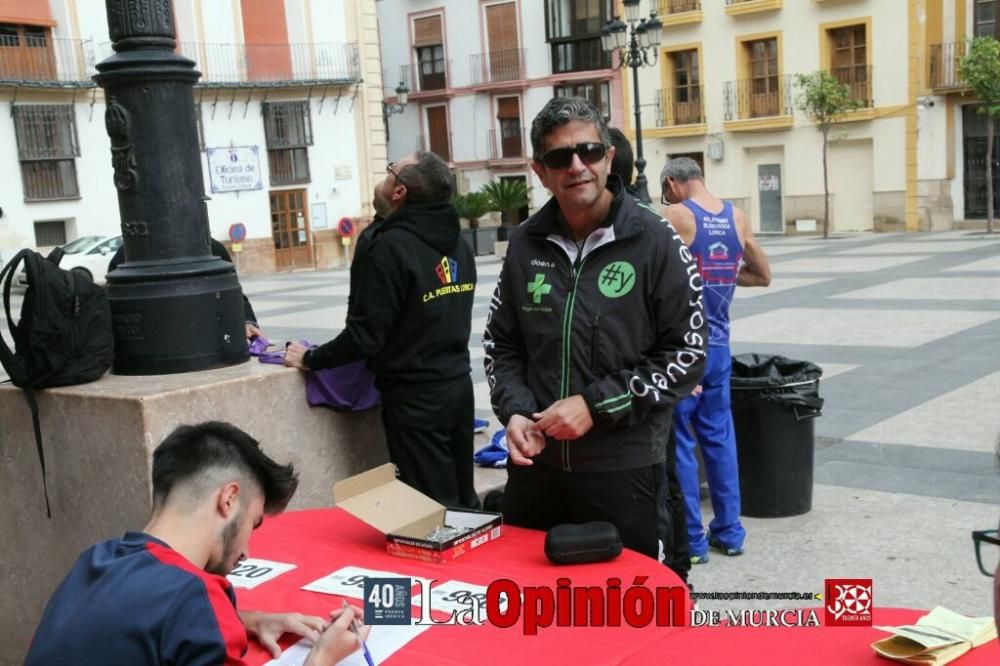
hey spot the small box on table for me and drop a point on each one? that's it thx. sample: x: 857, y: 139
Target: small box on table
x: 408, y: 518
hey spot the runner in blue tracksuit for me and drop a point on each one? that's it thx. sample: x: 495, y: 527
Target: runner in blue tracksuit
x: 727, y: 254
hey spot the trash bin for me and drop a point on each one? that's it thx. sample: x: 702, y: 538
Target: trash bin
x: 775, y: 401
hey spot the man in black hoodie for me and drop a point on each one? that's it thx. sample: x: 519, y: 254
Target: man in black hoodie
x: 411, y: 317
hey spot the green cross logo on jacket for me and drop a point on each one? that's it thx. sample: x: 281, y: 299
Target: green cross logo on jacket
x: 538, y: 288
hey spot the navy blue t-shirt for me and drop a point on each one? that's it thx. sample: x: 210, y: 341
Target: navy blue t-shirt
x: 136, y: 601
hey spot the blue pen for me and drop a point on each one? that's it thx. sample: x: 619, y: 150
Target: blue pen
x: 357, y: 632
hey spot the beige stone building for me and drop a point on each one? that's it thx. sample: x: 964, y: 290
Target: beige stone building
x: 723, y: 93
x: 290, y: 98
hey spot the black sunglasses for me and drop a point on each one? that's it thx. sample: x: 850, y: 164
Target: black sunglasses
x: 987, y: 561
x: 560, y: 158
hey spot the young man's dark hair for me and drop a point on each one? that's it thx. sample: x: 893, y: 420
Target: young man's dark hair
x: 623, y: 162
x: 428, y: 180
x: 191, y: 453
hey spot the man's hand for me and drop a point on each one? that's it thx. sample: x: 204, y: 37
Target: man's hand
x: 294, y: 354
x: 269, y: 627
x: 524, y: 441
x: 696, y: 391
x: 338, y: 641
x: 568, y: 418
x: 253, y: 331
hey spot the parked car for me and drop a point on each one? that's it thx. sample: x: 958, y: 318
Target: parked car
x: 89, y: 255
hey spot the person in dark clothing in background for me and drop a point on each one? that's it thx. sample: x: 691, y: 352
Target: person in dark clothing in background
x: 623, y: 163
x: 218, y: 250
x: 411, y: 318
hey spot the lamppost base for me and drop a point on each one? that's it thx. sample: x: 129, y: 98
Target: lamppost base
x: 185, y: 322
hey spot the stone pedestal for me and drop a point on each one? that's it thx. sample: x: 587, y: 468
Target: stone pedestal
x: 99, y: 440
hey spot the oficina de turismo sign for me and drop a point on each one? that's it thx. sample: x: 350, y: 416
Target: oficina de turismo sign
x: 234, y: 169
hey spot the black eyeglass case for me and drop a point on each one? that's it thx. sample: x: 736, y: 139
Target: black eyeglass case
x: 596, y: 541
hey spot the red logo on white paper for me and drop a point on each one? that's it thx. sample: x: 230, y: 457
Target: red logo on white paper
x: 848, y: 602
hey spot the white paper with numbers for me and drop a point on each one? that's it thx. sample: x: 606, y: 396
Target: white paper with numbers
x: 448, y: 597
x: 350, y: 581
x: 250, y: 573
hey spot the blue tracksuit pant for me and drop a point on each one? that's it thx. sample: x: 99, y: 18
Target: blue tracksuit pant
x: 706, y: 420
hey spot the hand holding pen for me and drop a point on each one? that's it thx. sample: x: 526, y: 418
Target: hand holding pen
x: 356, y: 630
x: 340, y: 639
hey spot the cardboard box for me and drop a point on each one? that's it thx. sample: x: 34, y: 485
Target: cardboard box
x: 407, y: 516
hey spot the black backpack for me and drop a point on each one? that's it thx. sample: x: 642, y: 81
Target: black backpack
x: 64, y: 336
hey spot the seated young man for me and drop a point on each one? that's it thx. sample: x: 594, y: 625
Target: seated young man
x: 160, y: 596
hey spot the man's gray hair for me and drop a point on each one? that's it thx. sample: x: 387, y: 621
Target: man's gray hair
x: 559, y: 111
x: 681, y: 169
x: 428, y: 180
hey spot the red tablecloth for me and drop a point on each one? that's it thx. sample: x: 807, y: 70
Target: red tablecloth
x: 322, y: 541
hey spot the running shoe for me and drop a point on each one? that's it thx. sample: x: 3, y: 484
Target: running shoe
x: 714, y: 542
x: 480, y: 425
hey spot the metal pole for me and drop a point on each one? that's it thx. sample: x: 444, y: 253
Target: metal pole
x: 174, y: 306
x: 635, y: 61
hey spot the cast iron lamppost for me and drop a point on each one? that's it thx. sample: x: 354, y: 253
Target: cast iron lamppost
x: 174, y: 306
x: 402, y: 92
x: 638, y: 45
x: 388, y: 109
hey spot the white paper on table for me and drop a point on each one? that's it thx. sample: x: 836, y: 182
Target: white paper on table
x: 383, y: 641
x: 250, y: 573
x: 350, y: 581
x: 455, y: 595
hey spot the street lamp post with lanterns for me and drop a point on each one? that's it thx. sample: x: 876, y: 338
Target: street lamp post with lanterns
x: 637, y: 42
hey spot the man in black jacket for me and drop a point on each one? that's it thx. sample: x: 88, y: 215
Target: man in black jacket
x: 594, y: 333
x: 411, y: 317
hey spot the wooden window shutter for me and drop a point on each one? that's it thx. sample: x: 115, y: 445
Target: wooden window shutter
x: 427, y: 31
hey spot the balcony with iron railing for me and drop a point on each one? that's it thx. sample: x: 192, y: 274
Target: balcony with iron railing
x: 679, y: 106
x: 859, y: 79
x: 741, y: 7
x: 760, y: 103
x: 45, y: 62
x: 506, y: 143
x: 945, y: 69
x: 271, y: 65
x: 578, y: 55
x: 678, y: 12
x: 497, y: 67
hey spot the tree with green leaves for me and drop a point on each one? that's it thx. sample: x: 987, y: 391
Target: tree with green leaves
x: 508, y: 196
x: 981, y: 70
x: 826, y: 100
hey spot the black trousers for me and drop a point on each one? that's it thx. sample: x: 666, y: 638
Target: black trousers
x: 634, y: 500
x: 429, y: 434
x: 678, y: 553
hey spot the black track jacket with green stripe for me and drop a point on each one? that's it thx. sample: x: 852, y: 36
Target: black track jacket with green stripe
x: 620, y: 323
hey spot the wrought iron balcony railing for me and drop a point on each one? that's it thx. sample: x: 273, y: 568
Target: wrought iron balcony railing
x: 679, y: 106
x: 945, y: 67
x: 678, y: 6
x: 762, y: 97
x: 859, y: 79
x: 270, y: 64
x: 506, y: 143
x: 42, y: 61
x: 497, y: 66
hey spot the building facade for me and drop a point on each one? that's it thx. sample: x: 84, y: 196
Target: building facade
x: 288, y: 108
x: 724, y: 94
x: 478, y: 72
x: 910, y: 157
